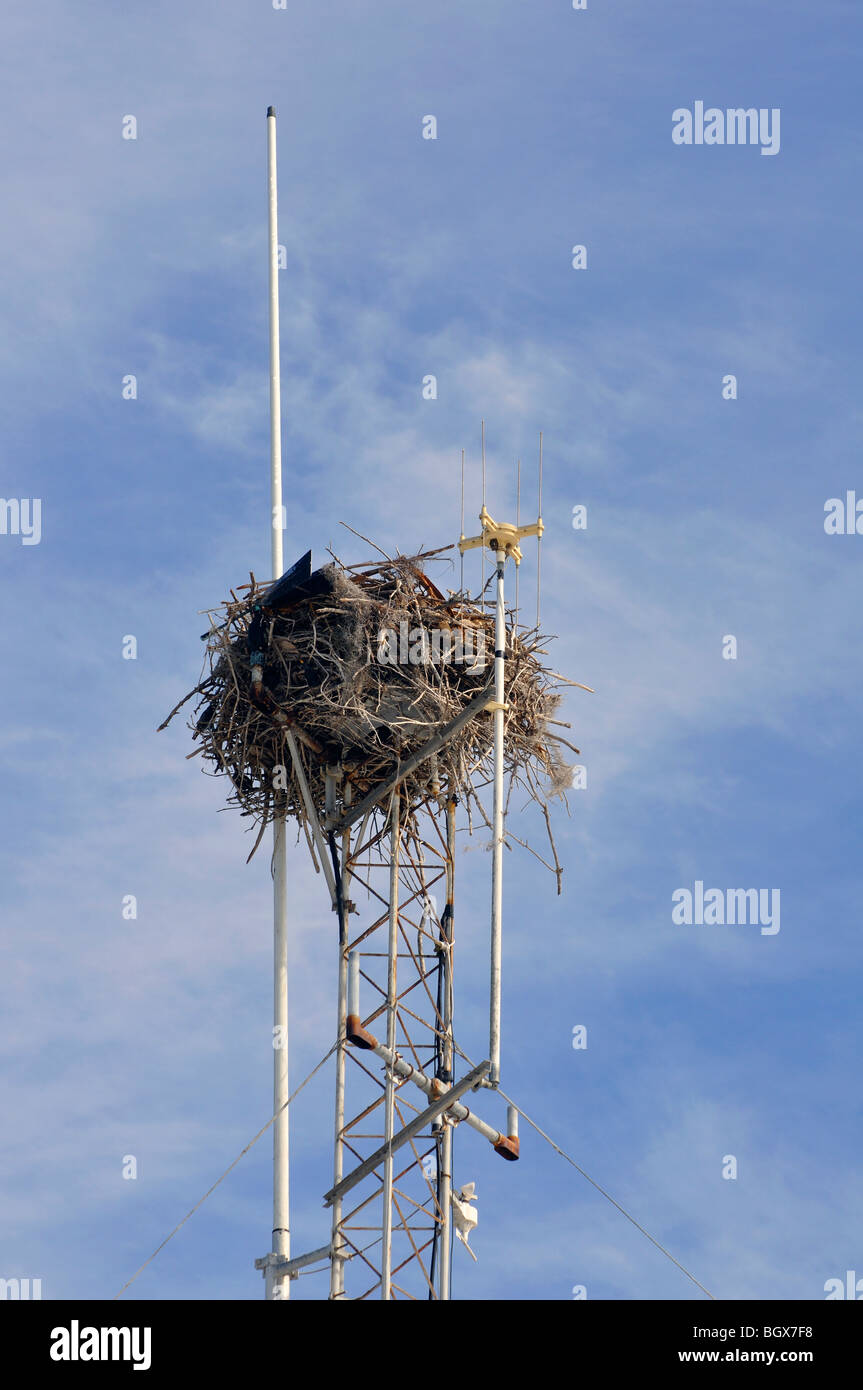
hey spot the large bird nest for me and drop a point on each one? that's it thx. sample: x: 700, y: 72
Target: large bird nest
x: 342, y: 663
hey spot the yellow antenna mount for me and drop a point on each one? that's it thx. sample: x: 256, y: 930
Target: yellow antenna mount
x: 500, y: 536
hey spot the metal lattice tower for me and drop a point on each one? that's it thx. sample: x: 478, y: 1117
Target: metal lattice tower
x: 394, y: 1125
x: 389, y: 864
x: 393, y: 1223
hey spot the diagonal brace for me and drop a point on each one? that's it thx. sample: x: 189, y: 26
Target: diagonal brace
x: 436, y: 1108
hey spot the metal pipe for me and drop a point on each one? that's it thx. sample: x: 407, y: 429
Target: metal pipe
x: 497, y: 831
x: 410, y: 1131
x: 359, y: 1035
x: 277, y: 1285
x: 354, y: 984
x: 389, y: 1101
x: 291, y: 1268
x: 444, y: 1254
x: 275, y: 378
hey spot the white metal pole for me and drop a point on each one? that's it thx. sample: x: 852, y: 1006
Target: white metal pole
x: 446, y: 1213
x: 389, y: 1103
x: 497, y: 832
x: 278, y: 1286
x: 275, y: 377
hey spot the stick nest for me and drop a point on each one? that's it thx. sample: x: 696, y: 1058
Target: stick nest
x: 327, y: 675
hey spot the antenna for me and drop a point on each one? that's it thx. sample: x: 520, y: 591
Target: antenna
x: 517, y: 523
x: 539, y: 532
x: 502, y: 538
x: 278, y: 1285
x: 482, y: 557
x: 461, y: 537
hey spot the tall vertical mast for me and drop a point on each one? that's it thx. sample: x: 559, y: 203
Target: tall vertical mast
x: 275, y: 377
x: 278, y: 1285
x: 497, y: 831
x: 503, y: 541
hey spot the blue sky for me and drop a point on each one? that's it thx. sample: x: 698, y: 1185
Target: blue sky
x: 705, y: 518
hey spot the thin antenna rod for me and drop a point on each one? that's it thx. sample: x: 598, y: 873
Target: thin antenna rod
x: 461, y: 579
x: 539, y: 537
x: 275, y: 379
x: 518, y: 523
x: 278, y: 1285
x: 482, y: 547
